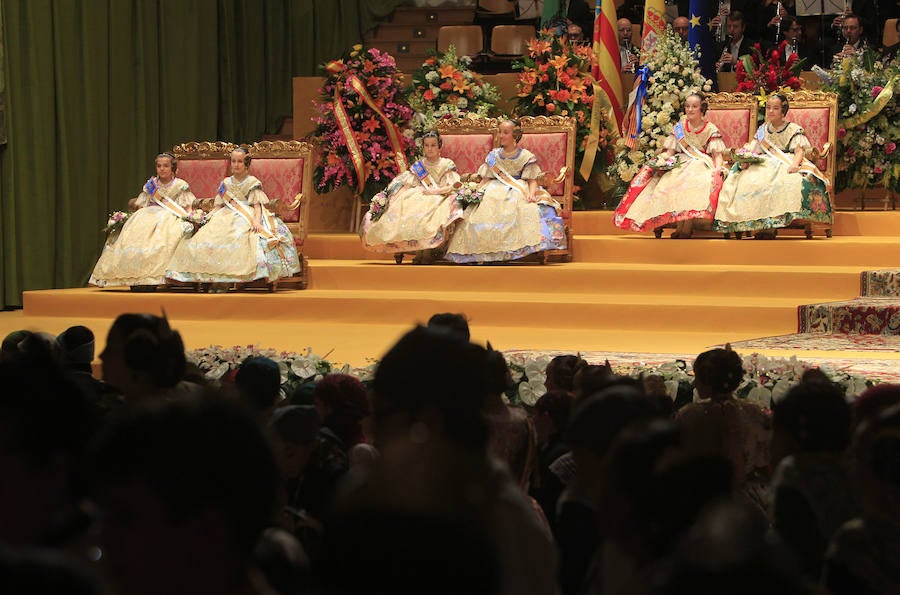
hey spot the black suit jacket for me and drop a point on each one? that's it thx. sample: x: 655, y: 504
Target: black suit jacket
x: 579, y: 13
x: 744, y: 48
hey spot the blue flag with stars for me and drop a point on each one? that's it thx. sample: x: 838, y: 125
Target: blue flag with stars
x: 700, y: 37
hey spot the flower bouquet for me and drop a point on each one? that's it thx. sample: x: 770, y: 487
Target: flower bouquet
x: 668, y: 164
x: 361, y: 121
x: 194, y: 221
x: 468, y: 194
x: 744, y: 156
x: 445, y: 87
x: 378, y: 206
x: 115, y: 222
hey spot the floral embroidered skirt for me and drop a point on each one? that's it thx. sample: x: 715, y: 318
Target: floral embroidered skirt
x: 655, y: 199
x: 766, y: 196
x: 412, y: 221
x: 504, y: 226
x: 226, y: 250
x: 141, y: 251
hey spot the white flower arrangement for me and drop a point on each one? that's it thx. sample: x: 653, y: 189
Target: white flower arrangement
x: 766, y: 379
x: 675, y: 74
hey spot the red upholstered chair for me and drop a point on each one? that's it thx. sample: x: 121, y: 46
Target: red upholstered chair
x: 203, y: 166
x: 816, y: 112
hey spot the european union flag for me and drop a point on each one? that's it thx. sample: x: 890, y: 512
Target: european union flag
x: 700, y: 37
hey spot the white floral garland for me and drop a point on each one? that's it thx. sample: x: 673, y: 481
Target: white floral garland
x: 766, y: 379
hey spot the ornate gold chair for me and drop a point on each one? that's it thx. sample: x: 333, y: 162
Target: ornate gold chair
x: 816, y: 112
x: 283, y: 167
x: 551, y: 138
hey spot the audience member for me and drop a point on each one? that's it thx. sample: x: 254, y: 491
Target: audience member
x: 811, y: 488
x: 551, y: 418
x: 429, y: 395
x: 455, y: 323
x: 75, y: 347
x: 258, y: 381
x: 343, y: 404
x: 45, y: 425
x: 682, y: 27
x: 864, y: 556
x: 144, y: 358
x: 185, y: 489
x: 561, y: 372
x: 719, y: 424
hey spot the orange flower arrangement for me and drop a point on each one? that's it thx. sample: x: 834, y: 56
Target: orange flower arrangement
x: 555, y: 79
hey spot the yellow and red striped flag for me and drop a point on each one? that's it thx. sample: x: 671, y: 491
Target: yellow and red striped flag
x: 607, y: 74
x: 654, y: 23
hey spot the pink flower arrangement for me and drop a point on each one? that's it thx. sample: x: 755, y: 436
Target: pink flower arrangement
x: 378, y: 72
x: 890, y: 147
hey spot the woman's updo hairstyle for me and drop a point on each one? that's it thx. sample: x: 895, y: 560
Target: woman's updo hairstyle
x: 435, y: 135
x: 517, y: 130
x: 704, y: 104
x: 171, y: 159
x: 247, y: 157
x: 785, y: 106
x: 150, y: 345
x: 721, y: 370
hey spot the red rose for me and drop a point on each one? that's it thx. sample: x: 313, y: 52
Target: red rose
x: 890, y: 147
x: 428, y: 95
x: 550, y: 107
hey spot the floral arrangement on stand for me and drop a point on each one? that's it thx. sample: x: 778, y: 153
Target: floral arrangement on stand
x: 445, y: 87
x: 868, y: 122
x: 767, y: 75
x: 765, y: 379
x: 674, y: 74
x: 555, y: 80
x: 115, y: 222
x: 361, y: 123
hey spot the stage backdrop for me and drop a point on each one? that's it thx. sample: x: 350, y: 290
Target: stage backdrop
x: 97, y: 88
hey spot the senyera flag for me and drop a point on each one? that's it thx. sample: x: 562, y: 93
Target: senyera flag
x: 607, y: 73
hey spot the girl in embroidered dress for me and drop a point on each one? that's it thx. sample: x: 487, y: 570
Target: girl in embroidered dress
x: 417, y: 210
x: 516, y: 217
x: 242, y: 241
x: 688, y: 191
x: 784, y: 188
x: 138, y: 255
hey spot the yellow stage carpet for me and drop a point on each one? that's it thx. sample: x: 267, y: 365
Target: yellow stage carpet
x: 622, y: 293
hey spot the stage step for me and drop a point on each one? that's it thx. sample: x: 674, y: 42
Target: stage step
x: 885, y: 283
x: 831, y: 282
x: 545, y: 307
x: 863, y: 316
x: 863, y: 252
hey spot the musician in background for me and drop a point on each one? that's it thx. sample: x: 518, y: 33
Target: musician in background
x: 792, y: 31
x: 854, y: 39
x: 682, y: 26
x: 736, y: 43
x: 628, y: 54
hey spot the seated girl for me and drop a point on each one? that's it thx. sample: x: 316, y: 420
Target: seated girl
x: 783, y: 188
x: 515, y: 217
x: 138, y: 256
x: 687, y: 191
x: 420, y: 208
x: 242, y: 241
